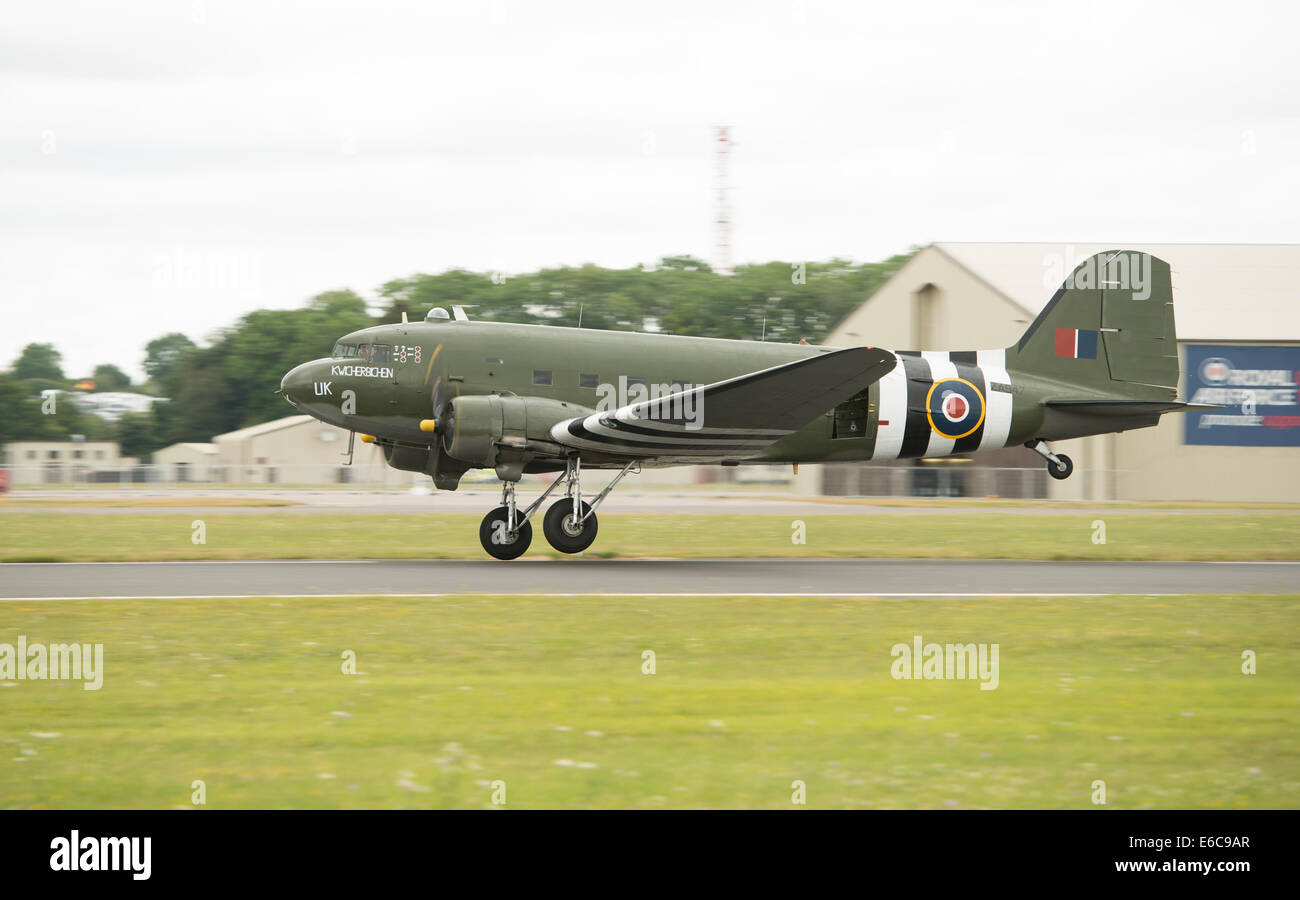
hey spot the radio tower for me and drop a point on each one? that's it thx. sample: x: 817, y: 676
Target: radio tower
x: 721, y: 199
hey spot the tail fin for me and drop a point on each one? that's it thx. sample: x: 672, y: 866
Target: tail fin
x: 1109, y: 327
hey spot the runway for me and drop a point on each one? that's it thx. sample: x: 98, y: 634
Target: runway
x: 597, y: 577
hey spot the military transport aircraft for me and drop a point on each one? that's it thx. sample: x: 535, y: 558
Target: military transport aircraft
x: 448, y: 394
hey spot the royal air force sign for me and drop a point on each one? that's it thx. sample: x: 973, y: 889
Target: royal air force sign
x: 954, y: 407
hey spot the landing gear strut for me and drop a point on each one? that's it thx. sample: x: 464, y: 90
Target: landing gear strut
x: 570, y: 524
x: 1059, y: 466
x: 505, y: 534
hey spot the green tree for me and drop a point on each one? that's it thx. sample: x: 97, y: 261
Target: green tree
x: 138, y: 434
x: 162, y: 354
x: 232, y: 382
x: 21, y: 419
x: 39, y: 362
x: 780, y: 301
x: 25, y: 415
x: 200, y: 399
x: 108, y: 377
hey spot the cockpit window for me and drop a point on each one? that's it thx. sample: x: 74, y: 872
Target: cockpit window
x: 381, y: 354
x: 342, y: 350
x: 363, y: 351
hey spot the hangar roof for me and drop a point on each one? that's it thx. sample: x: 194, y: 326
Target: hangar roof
x: 1242, y: 292
x: 263, y: 428
x: 210, y: 449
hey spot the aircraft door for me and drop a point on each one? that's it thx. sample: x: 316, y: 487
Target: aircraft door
x: 856, y: 417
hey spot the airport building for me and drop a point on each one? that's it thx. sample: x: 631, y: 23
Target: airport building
x: 66, y: 462
x: 299, y: 450
x: 1237, y: 314
x: 186, y: 462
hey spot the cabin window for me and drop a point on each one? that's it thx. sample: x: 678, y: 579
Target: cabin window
x: 542, y: 376
x: 588, y: 381
x: 631, y: 381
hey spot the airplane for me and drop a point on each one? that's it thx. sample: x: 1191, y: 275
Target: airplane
x: 448, y: 394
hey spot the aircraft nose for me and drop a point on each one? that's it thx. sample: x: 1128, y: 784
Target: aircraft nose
x: 296, y: 383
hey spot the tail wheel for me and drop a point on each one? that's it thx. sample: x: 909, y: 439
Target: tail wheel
x: 562, y: 530
x: 1062, y: 468
x: 498, y: 541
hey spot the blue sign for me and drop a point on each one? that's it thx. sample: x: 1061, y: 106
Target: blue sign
x: 1257, y: 387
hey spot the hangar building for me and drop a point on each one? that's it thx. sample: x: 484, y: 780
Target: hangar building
x: 66, y: 462
x: 297, y: 450
x: 1237, y: 314
x: 290, y: 450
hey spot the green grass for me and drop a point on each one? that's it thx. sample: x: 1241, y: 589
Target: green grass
x: 54, y: 537
x: 749, y: 695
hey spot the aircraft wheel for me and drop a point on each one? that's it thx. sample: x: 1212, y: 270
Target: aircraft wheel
x: 560, y: 530
x: 1060, y: 470
x: 497, y: 541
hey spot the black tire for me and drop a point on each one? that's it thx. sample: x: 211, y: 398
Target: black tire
x: 492, y: 535
x: 1062, y: 469
x: 559, y: 530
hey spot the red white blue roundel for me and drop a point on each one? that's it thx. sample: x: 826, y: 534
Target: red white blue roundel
x: 954, y: 407
x: 1216, y: 370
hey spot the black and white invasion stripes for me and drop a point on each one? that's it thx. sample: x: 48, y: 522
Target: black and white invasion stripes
x: 938, y: 403
x: 621, y: 432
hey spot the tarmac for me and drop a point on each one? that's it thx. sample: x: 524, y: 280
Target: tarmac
x: 646, y: 577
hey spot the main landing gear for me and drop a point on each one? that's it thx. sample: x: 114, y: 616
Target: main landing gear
x: 1059, y: 466
x: 569, y: 525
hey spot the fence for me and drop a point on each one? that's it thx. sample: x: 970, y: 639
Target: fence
x: 181, y: 475
x: 936, y: 481
x: 835, y: 479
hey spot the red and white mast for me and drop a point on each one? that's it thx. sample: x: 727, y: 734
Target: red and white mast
x: 722, y: 199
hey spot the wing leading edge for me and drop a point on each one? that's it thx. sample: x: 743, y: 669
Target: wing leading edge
x: 736, y: 417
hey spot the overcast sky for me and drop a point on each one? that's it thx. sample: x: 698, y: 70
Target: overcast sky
x: 169, y: 166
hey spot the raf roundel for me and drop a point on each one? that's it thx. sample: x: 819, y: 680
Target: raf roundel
x: 954, y: 407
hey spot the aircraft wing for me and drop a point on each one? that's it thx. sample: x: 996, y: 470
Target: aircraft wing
x: 736, y: 417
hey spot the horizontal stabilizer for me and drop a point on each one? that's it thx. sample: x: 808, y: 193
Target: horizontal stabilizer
x: 736, y: 417
x: 1128, y: 407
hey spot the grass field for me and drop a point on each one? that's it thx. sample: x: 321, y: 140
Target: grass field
x: 749, y: 695
x: 56, y: 537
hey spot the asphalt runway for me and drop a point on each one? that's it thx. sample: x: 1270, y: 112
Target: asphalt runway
x: 604, y: 577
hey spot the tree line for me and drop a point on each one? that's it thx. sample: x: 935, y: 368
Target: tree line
x: 229, y: 381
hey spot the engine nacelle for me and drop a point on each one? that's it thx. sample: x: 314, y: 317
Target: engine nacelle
x: 434, y: 462
x: 478, y: 429
x: 409, y: 459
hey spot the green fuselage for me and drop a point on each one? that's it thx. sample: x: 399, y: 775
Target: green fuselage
x: 408, y: 369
